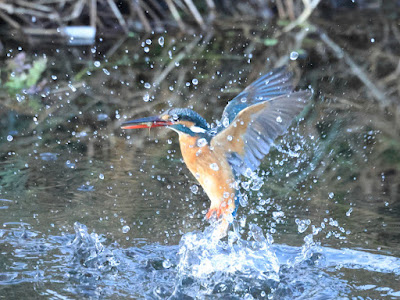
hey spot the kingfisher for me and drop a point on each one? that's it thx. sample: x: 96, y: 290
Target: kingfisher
x: 219, y: 155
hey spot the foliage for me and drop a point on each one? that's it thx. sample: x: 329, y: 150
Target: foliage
x: 22, y: 76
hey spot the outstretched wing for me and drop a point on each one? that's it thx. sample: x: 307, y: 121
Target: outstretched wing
x: 252, y: 132
x: 273, y: 84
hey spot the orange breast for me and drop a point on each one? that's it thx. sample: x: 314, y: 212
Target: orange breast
x: 211, y: 169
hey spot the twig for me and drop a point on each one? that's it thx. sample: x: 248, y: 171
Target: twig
x: 39, y: 31
x: 116, y: 46
x: 299, y: 38
x: 281, y: 10
x: 179, y: 57
x: 211, y: 6
x: 35, y: 6
x: 54, y: 1
x: 9, y: 20
x: 394, y: 76
x: 195, y: 13
x: 356, y: 70
x: 153, y: 12
x: 156, y: 5
x: 118, y: 15
x: 93, y: 13
x: 290, y: 9
x: 141, y: 15
x: 76, y: 12
x: 10, y: 9
x: 308, y: 9
x: 175, y: 14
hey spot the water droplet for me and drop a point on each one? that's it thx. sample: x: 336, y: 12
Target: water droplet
x: 72, y: 87
x: 125, y: 229
x: 177, y: 63
x: 171, y: 88
x: 106, y: 72
x: 372, y: 40
x: 333, y: 222
x: 229, y: 138
x: 243, y: 100
x: 101, y: 176
x: 331, y: 195
x: 214, y: 167
x: 302, y: 225
x: 348, y: 213
x: 195, y: 81
x: 148, y: 41
x: 278, y: 214
x: 10, y: 138
x: 48, y: 156
x: 166, y: 264
x: 245, y: 185
x: 201, y: 142
x: 243, y: 200
x: 263, y: 294
x: 279, y: 119
x: 97, y: 63
x: 194, y: 189
x: 19, y: 97
x: 147, y: 85
x: 294, y: 55
x: 225, y: 122
x: 54, y: 77
x: 85, y: 188
x: 102, y: 117
x: 161, y: 41
x: 146, y: 98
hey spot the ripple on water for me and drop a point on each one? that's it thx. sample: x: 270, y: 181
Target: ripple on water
x: 83, y: 265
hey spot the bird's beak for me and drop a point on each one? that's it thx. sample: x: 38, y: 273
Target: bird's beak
x: 148, y: 122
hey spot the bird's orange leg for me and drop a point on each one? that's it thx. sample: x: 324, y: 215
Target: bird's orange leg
x: 225, y: 208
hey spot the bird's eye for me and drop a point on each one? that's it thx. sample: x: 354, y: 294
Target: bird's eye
x: 175, y: 118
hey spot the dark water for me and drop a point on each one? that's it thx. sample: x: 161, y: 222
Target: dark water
x: 98, y: 213
x: 129, y: 228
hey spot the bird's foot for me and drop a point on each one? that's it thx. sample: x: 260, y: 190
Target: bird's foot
x: 224, y: 209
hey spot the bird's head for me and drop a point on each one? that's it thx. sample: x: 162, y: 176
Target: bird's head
x: 182, y: 120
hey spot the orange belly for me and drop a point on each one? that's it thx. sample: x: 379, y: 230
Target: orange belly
x: 211, y: 169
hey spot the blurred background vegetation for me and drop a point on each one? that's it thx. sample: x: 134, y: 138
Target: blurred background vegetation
x: 147, y: 54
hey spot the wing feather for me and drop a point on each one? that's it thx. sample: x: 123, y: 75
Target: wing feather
x: 273, y: 84
x: 253, y: 131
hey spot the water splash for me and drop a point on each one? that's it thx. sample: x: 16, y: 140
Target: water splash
x: 209, y: 266
x: 88, y: 251
x: 202, y: 266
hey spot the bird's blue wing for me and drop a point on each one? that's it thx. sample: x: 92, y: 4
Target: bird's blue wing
x: 253, y: 131
x: 273, y: 84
